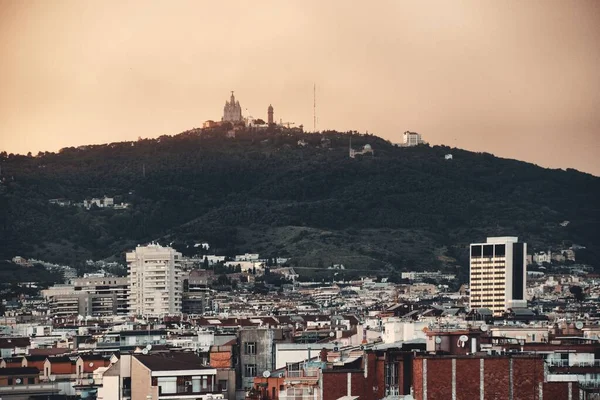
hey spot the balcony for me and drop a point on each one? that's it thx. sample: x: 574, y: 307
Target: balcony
x: 32, y: 389
x: 189, y: 390
x: 578, y: 364
x: 298, y: 394
x: 309, y: 376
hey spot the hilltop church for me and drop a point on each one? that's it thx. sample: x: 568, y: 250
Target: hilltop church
x: 232, y: 112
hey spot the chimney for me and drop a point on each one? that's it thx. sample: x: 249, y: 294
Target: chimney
x: 323, y: 355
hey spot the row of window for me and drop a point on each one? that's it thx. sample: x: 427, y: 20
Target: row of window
x: 20, y: 381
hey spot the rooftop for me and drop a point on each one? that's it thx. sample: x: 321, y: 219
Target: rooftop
x: 171, y: 361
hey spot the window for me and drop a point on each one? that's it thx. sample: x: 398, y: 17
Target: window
x: 196, y: 383
x: 30, y: 381
x: 250, y: 370
x: 391, y: 379
x: 250, y: 348
x: 167, y: 385
x: 223, y: 385
x: 10, y: 381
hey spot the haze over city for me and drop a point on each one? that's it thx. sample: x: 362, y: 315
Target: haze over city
x: 517, y: 79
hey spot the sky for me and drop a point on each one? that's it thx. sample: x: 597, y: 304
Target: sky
x: 519, y: 79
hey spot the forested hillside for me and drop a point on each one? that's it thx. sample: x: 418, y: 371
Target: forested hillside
x: 402, y: 208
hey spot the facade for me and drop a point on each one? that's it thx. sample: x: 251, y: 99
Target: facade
x: 108, y: 295
x: 232, y: 112
x: 22, y: 383
x: 68, y: 305
x: 154, y: 278
x: 412, y: 139
x: 173, y: 376
x: 542, y: 257
x: 99, y: 202
x: 498, y: 274
x: 256, y: 353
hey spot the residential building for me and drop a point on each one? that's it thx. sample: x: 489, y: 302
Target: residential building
x: 154, y: 278
x: 68, y: 305
x: 498, y: 274
x: 257, y: 353
x: 108, y: 294
x: 172, y: 376
x: 14, y: 346
x: 22, y: 383
x: 197, y: 296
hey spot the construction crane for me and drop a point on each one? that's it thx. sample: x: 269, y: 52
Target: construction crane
x: 249, y: 118
x: 286, y: 124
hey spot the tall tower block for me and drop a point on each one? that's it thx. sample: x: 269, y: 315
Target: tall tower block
x: 270, y: 115
x: 498, y: 274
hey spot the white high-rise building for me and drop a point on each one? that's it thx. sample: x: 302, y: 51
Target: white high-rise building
x: 155, y: 281
x: 498, y: 274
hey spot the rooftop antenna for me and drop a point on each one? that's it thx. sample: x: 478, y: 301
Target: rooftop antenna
x: 315, y: 107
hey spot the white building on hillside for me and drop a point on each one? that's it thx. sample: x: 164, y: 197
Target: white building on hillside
x: 155, y: 281
x: 542, y: 257
x: 411, y: 139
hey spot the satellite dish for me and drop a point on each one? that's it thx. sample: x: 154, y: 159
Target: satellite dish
x: 483, y: 328
x: 438, y: 339
x: 336, y: 349
x: 579, y: 325
x: 463, y: 338
x: 331, y: 334
x: 149, y: 347
x: 145, y: 351
x: 91, y: 364
x: 18, y: 380
x: 266, y: 374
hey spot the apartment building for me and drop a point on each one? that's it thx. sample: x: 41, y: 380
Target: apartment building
x: 173, y: 376
x: 155, y: 281
x: 108, y: 294
x: 498, y: 274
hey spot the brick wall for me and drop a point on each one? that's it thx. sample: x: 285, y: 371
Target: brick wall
x: 527, y: 376
x: 418, y: 378
x: 496, y: 378
x: 335, y: 385
x: 141, y: 381
x: 560, y: 391
x: 515, y: 378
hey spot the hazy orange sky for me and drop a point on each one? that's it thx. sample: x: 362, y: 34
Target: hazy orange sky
x: 520, y: 79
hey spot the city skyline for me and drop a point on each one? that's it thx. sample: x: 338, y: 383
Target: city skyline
x: 517, y: 81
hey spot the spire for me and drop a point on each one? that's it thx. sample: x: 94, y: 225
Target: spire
x: 232, y: 98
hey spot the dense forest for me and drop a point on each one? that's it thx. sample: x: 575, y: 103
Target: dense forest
x: 399, y: 209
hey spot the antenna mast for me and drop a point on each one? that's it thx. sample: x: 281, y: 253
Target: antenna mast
x: 315, y: 107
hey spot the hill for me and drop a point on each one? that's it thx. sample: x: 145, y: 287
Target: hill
x: 403, y: 208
